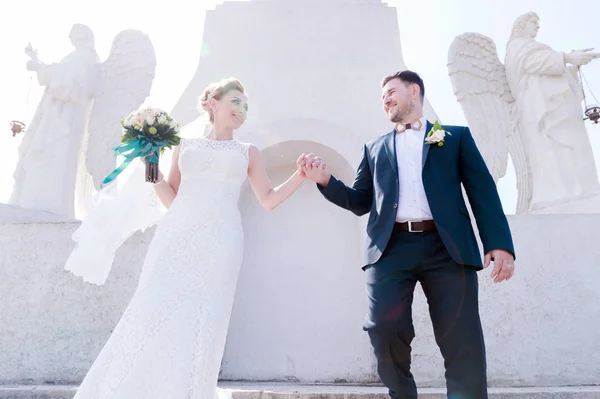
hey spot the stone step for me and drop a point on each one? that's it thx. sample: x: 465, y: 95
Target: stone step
x: 267, y: 390
x: 297, y: 391
x: 37, y: 391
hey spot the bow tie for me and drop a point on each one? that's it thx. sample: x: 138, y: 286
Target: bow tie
x: 401, y: 127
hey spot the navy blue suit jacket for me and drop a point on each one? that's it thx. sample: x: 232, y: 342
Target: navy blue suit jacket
x: 376, y: 191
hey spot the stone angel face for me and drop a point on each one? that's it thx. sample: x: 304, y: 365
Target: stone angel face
x: 532, y: 27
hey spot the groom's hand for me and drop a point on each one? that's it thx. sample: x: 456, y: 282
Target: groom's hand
x: 302, y: 162
x: 316, y: 170
x: 504, y: 264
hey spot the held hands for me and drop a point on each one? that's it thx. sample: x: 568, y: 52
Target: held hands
x: 313, y: 168
x: 504, y: 264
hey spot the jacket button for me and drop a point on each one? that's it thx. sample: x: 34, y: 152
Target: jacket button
x: 395, y: 206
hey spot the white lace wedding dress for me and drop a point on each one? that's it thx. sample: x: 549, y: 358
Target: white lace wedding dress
x: 170, y: 341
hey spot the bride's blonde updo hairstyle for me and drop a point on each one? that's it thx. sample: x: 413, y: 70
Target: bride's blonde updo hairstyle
x: 217, y: 90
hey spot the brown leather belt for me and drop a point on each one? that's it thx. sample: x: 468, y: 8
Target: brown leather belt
x: 416, y: 227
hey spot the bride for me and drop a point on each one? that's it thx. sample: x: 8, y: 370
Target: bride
x: 170, y: 341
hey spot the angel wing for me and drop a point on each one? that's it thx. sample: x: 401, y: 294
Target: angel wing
x: 479, y: 82
x: 124, y: 82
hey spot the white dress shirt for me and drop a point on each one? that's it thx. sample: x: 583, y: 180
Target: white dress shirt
x: 412, y: 203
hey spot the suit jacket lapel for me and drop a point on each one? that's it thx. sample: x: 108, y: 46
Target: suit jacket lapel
x: 426, y: 147
x: 390, y: 148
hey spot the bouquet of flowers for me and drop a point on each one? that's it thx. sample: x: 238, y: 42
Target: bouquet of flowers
x: 146, y: 134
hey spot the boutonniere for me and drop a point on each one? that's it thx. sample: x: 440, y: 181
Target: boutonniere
x: 436, y: 135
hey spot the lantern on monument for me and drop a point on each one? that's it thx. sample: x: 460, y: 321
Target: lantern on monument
x: 591, y: 111
x: 16, y: 127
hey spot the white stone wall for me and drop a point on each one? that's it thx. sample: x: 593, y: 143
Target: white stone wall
x: 300, y: 302
x: 302, y: 61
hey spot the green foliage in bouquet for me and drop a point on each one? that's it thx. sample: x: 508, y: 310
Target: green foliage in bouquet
x: 151, y: 125
x: 146, y: 134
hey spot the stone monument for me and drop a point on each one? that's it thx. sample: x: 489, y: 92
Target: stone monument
x: 529, y: 107
x: 66, y: 152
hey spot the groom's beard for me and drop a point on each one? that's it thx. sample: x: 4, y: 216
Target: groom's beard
x: 402, y: 114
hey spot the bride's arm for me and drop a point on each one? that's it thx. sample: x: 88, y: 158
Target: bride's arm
x: 268, y: 196
x: 166, y: 189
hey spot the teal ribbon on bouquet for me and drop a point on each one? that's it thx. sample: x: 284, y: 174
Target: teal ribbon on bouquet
x: 137, y: 148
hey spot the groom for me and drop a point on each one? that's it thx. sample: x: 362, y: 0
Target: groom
x: 419, y: 230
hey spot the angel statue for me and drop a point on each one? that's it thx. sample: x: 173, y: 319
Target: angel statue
x: 67, y: 150
x: 528, y: 108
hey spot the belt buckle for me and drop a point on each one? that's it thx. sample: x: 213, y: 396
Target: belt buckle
x: 410, y: 229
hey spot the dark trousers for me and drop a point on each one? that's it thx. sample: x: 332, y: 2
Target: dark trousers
x: 451, y: 290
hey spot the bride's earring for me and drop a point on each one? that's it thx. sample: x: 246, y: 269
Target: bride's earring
x: 213, y: 107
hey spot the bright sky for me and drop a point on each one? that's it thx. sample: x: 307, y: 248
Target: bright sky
x: 427, y: 28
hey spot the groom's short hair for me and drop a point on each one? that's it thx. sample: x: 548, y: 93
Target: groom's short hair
x: 408, y: 77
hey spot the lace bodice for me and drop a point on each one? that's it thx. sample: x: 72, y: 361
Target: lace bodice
x: 214, y: 160
x: 211, y: 168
